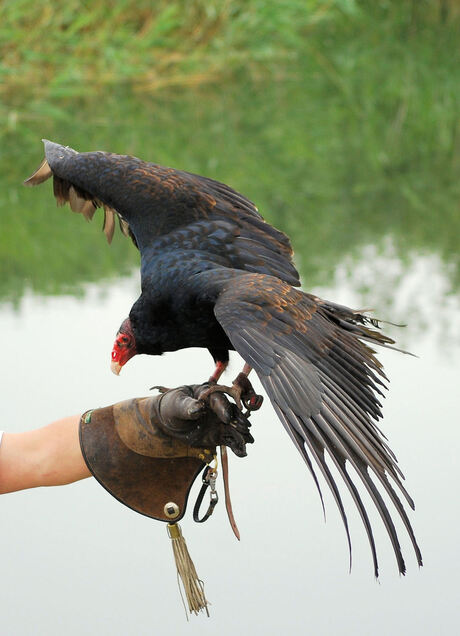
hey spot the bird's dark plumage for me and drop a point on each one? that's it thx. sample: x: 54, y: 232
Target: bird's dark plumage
x: 214, y: 274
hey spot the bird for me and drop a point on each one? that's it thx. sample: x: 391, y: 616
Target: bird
x: 216, y: 275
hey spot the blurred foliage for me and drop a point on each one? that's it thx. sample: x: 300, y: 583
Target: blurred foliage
x: 72, y: 47
x: 68, y: 48
x: 340, y: 119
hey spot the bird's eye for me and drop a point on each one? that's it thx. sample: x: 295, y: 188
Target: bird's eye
x: 125, y: 340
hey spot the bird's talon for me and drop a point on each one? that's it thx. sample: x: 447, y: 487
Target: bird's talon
x: 232, y: 391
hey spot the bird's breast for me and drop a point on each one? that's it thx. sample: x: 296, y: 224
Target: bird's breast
x: 194, y: 325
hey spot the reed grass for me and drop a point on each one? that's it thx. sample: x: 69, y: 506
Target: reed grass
x: 76, y: 47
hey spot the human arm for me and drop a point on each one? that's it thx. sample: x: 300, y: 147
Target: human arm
x: 48, y: 456
x: 52, y: 456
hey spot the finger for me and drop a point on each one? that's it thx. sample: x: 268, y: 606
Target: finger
x: 219, y: 404
x: 238, y: 419
x: 179, y: 405
x: 196, y: 408
x: 235, y: 442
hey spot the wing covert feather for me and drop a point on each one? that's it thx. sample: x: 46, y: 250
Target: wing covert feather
x: 153, y: 202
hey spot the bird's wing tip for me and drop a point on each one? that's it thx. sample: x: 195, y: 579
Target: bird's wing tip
x: 49, y: 144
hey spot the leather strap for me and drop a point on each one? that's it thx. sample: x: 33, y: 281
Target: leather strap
x: 228, y: 501
x: 213, y: 502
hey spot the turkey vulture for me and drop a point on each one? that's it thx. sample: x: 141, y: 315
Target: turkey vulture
x: 214, y: 274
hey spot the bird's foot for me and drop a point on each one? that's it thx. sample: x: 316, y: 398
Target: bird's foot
x: 160, y: 389
x: 241, y: 391
x: 251, y: 400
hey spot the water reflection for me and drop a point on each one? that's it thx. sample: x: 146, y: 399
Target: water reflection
x: 76, y: 547
x: 416, y: 291
x: 313, y: 171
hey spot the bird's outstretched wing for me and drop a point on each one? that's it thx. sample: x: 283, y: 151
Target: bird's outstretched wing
x: 322, y: 381
x: 153, y: 201
x: 80, y: 199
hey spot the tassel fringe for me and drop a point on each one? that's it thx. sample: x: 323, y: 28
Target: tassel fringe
x: 192, y: 584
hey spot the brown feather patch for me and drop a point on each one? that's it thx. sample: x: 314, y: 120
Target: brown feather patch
x: 124, y: 226
x: 88, y: 210
x: 61, y: 190
x: 77, y: 203
x: 109, y: 223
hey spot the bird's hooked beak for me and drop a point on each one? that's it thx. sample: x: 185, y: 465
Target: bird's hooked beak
x: 115, y: 366
x: 124, y: 347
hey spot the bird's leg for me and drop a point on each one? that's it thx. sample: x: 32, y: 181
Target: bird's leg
x: 220, y: 368
x: 241, y: 390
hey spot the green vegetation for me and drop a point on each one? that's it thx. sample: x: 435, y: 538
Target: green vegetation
x: 339, y: 118
x: 72, y: 48
x: 81, y: 47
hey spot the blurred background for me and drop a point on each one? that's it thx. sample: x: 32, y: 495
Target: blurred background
x: 340, y: 119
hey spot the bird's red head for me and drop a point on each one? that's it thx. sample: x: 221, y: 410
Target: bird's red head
x: 124, y: 347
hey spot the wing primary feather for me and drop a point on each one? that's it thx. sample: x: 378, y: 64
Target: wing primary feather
x: 77, y: 203
x: 317, y: 450
x: 360, y: 393
x: 361, y: 469
x: 357, y: 412
x: 359, y: 436
x: 386, y: 346
x: 61, y: 190
x: 366, y: 437
x: 340, y: 464
x: 124, y: 226
x: 364, y: 374
x: 41, y: 174
x: 378, y: 466
x: 109, y: 223
x: 299, y: 442
x: 88, y: 210
x: 350, y: 324
x: 365, y: 424
x: 353, y: 345
x: 354, y: 361
x: 397, y: 503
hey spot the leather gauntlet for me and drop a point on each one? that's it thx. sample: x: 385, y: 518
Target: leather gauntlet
x: 147, y: 451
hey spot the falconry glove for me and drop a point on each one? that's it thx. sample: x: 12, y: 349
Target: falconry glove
x: 148, y: 451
